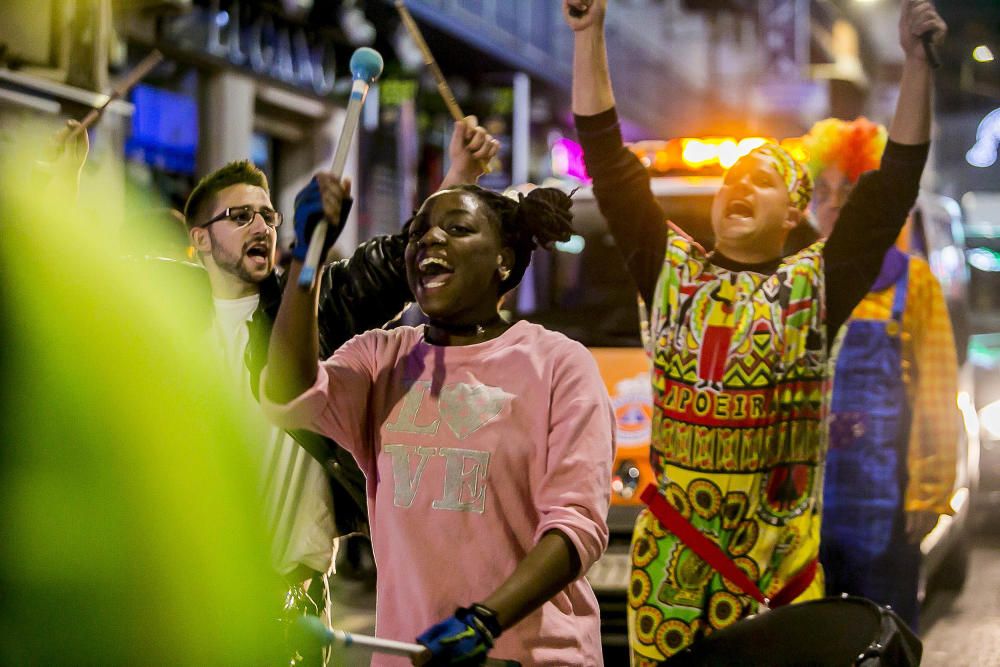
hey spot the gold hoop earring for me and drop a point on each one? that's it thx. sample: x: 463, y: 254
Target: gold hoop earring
x: 504, y: 273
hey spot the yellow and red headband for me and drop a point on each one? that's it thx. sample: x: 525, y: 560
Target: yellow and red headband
x: 792, y: 172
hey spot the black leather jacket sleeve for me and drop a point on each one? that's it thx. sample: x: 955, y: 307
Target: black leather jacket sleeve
x: 359, y: 293
x: 362, y: 292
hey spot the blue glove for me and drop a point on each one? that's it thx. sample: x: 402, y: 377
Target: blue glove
x: 308, y: 213
x: 462, y: 639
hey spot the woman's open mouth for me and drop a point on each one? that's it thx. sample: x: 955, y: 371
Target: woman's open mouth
x: 434, y: 272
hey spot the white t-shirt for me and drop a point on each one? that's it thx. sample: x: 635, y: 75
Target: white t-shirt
x: 297, y: 498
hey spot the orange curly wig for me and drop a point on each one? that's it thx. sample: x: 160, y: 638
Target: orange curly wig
x: 853, y: 147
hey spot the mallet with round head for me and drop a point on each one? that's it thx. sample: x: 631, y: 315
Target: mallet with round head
x: 366, y: 67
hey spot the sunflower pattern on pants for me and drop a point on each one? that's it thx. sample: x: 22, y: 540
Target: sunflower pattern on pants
x: 675, y: 597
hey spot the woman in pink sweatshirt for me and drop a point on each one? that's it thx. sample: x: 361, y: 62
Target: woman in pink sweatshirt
x: 487, y: 446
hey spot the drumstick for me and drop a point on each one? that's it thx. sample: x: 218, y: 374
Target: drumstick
x: 137, y: 73
x: 315, y: 629
x: 930, y: 50
x: 442, y: 84
x: 366, y: 67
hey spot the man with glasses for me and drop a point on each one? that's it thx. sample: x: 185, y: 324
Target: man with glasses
x: 313, y: 490
x: 239, y: 255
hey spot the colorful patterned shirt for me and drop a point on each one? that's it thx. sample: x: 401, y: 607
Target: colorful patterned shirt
x: 740, y: 386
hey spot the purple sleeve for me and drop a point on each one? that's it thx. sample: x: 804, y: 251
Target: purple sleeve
x: 337, y: 403
x: 574, y: 492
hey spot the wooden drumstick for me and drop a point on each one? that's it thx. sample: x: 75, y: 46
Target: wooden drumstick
x: 137, y: 73
x: 442, y: 84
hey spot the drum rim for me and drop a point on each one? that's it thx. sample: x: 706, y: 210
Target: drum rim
x: 873, y: 649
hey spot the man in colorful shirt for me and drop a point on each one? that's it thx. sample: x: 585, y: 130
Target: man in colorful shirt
x: 894, y: 421
x: 740, y: 457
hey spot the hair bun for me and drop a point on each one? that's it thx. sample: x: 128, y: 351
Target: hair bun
x: 552, y: 196
x: 544, y: 215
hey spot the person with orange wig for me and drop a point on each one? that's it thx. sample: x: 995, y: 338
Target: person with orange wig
x: 838, y: 152
x: 894, y: 428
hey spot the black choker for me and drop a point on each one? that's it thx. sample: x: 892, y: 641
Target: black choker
x: 466, y: 330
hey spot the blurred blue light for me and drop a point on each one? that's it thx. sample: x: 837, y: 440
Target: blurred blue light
x: 574, y: 246
x: 985, y: 259
x: 984, y: 153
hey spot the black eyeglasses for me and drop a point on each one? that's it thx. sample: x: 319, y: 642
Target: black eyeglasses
x: 244, y: 215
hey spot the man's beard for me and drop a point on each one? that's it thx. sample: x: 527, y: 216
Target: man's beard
x: 233, y: 263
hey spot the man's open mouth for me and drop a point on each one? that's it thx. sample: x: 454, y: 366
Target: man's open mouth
x: 434, y: 271
x: 258, y: 251
x: 739, y: 208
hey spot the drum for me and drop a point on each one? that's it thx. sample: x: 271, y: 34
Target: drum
x: 832, y: 632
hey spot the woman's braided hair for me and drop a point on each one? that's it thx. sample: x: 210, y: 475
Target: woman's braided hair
x: 539, y: 219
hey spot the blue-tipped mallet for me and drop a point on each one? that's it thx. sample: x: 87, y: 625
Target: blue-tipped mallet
x: 366, y: 67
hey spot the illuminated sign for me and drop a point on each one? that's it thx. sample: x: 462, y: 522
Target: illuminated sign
x: 567, y: 159
x: 984, y: 153
x: 265, y: 43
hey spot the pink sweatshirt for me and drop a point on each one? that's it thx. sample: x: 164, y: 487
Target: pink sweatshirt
x: 471, y: 454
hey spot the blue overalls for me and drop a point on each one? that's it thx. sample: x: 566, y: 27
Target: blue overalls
x: 863, y: 547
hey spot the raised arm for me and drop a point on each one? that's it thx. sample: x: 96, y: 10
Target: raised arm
x: 911, y: 122
x: 469, y: 152
x: 621, y: 184
x: 592, y: 91
x: 294, y: 347
x: 876, y: 210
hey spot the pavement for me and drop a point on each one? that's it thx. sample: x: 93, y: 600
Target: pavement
x: 354, y: 605
x: 963, y: 629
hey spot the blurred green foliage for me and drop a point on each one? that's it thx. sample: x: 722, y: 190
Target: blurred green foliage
x: 129, y: 525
